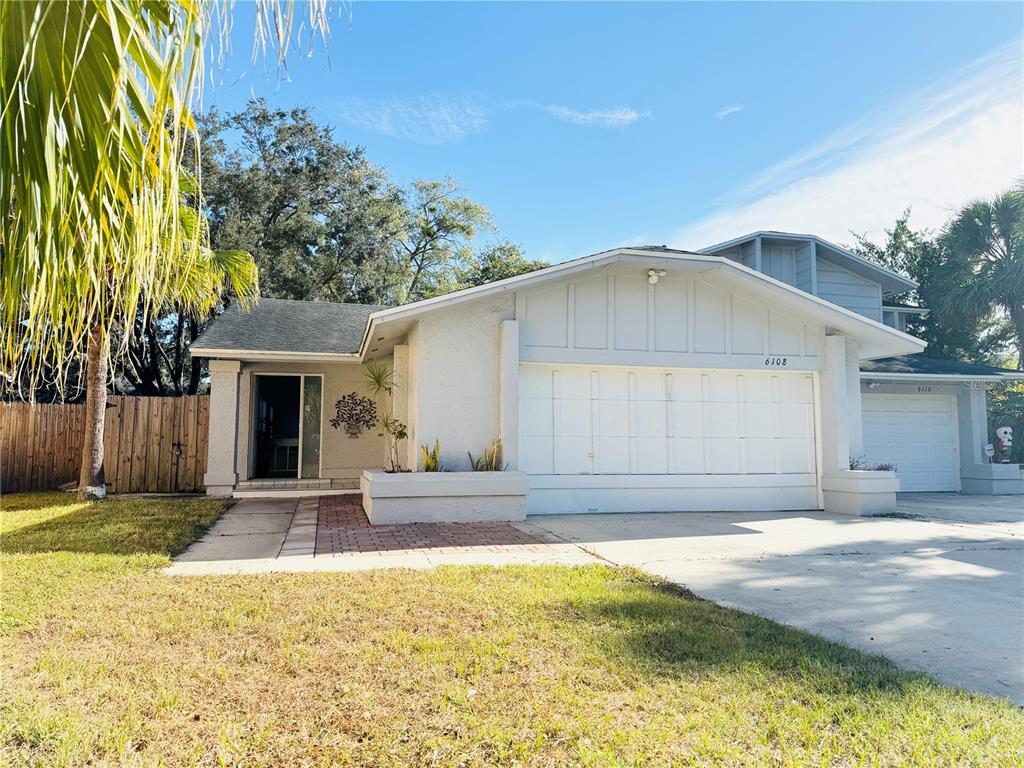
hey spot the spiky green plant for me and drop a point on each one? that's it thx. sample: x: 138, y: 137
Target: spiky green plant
x: 381, y: 385
x: 490, y: 461
x: 431, y: 457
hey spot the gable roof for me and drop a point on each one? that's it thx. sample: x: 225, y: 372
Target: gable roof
x: 891, y: 281
x: 910, y: 366
x: 877, y: 340
x: 283, y: 327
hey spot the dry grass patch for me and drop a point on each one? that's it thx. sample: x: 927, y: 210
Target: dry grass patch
x: 533, y: 666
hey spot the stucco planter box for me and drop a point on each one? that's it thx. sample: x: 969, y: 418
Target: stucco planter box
x: 443, y: 497
x: 993, y: 479
x: 860, y: 492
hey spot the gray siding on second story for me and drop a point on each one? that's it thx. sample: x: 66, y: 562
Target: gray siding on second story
x: 819, y: 267
x: 779, y: 261
x: 805, y: 273
x: 853, y: 292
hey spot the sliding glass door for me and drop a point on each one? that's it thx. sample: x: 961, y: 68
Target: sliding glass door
x: 312, y: 387
x: 286, y: 425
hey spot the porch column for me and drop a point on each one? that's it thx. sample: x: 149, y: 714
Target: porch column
x: 972, y: 413
x: 848, y: 492
x: 977, y: 473
x: 835, y: 405
x: 508, y: 415
x: 854, y: 410
x: 222, y: 441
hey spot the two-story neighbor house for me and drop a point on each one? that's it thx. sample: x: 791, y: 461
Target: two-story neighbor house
x: 924, y: 415
x: 745, y: 376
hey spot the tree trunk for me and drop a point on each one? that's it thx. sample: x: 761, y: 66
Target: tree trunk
x: 195, y: 364
x: 1017, y: 318
x: 91, y: 482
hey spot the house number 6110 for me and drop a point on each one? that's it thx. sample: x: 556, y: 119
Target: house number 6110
x: 771, y: 362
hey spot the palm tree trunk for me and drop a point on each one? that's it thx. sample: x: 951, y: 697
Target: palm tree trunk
x: 1017, y: 318
x: 91, y: 482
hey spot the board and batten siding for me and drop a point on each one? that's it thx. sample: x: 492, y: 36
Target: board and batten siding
x: 805, y: 272
x: 779, y: 262
x: 848, y: 290
x: 682, y: 321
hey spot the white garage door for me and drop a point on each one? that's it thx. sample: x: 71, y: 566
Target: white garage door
x: 616, y: 421
x: 918, y: 434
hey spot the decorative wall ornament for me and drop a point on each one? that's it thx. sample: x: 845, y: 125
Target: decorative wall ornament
x: 355, y: 414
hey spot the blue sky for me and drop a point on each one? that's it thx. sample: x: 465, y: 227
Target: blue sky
x: 586, y: 126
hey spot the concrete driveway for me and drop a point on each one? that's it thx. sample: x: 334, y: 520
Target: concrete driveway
x: 942, y: 592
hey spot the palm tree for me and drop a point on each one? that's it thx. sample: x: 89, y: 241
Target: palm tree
x: 983, y: 266
x: 98, y: 215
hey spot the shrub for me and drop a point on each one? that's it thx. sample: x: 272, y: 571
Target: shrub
x: 490, y: 461
x: 862, y: 464
x: 432, y: 457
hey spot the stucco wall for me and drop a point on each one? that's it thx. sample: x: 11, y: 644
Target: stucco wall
x: 341, y: 456
x: 455, y: 379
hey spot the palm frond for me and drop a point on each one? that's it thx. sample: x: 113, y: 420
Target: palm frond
x: 99, y: 217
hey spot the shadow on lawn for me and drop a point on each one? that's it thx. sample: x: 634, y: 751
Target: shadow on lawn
x: 117, y: 526
x: 661, y: 630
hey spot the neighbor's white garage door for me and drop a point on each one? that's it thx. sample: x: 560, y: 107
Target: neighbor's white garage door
x: 918, y: 434
x: 613, y: 420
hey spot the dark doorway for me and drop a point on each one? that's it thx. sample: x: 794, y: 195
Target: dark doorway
x: 276, y: 426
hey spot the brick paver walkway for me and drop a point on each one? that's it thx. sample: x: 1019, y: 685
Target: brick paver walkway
x: 342, y: 528
x: 331, y: 533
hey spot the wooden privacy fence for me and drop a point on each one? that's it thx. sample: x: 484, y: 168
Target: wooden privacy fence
x: 152, y: 444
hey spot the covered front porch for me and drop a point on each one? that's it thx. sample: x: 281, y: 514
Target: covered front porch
x: 276, y: 431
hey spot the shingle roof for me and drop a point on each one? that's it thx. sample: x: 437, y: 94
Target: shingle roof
x: 283, y: 325
x: 921, y: 365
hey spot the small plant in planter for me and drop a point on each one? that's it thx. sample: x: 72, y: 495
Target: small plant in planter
x: 861, y: 464
x: 490, y: 461
x: 432, y: 457
x: 381, y: 387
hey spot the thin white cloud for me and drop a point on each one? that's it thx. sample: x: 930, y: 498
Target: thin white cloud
x: 732, y: 109
x: 932, y: 151
x: 615, y: 117
x: 439, y: 119
x: 423, y: 120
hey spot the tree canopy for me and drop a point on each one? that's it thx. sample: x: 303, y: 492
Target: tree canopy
x: 923, y: 256
x: 323, y: 223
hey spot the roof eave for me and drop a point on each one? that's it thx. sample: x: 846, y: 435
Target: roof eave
x: 903, y: 283
x: 954, y: 377
x: 594, y: 261
x: 267, y: 355
x: 888, y: 341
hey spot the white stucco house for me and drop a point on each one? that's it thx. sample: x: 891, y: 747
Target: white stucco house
x: 745, y: 376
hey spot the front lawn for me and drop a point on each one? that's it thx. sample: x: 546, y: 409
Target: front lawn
x: 107, y: 661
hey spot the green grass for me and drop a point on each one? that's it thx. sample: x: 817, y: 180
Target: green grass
x: 532, y: 666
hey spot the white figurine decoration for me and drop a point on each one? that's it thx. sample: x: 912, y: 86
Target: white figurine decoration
x: 1005, y: 437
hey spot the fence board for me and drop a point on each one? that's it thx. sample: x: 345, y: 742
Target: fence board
x: 41, y: 445
x: 111, y: 445
x: 127, y: 445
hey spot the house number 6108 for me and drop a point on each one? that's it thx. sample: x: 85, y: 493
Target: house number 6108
x: 775, y: 361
